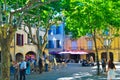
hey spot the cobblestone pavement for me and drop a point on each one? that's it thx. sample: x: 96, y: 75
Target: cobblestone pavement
x: 73, y: 71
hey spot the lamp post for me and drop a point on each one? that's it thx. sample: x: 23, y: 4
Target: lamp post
x: 107, y: 43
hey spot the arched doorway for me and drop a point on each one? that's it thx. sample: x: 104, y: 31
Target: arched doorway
x: 89, y: 55
x: 30, y: 56
x: 104, y: 54
x: 19, y: 56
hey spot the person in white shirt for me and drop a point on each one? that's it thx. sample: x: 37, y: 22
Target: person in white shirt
x: 22, y: 69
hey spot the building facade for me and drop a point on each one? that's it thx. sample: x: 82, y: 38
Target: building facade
x: 86, y: 44
x: 22, y: 46
x: 56, y: 38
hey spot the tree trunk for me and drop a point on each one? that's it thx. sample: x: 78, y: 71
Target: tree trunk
x: 5, y: 61
x: 97, y: 56
x: 6, y: 37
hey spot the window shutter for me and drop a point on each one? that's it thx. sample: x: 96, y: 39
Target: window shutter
x: 22, y: 40
x: 18, y: 39
x: 52, y: 44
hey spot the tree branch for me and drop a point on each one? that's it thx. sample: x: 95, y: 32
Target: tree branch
x: 41, y: 4
x: 31, y: 37
x: 29, y: 5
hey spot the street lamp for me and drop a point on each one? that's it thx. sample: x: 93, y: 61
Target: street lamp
x: 107, y: 42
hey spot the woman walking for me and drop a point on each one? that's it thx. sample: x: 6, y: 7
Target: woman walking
x: 111, y: 70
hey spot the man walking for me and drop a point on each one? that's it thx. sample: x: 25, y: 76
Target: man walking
x: 104, y: 64
x: 22, y: 70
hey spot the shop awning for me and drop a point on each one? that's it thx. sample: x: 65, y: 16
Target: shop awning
x: 73, y: 52
x: 81, y: 52
x: 65, y: 52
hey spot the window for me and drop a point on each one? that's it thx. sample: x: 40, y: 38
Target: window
x: 54, y: 30
x: 50, y: 31
x: 58, y: 30
x: 90, y: 44
x: 107, y: 42
x: 58, y: 44
x: 74, y: 45
x: 50, y: 44
x: 19, y: 40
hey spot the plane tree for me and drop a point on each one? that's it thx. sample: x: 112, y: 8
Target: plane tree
x: 10, y: 19
x: 89, y: 17
x: 41, y: 19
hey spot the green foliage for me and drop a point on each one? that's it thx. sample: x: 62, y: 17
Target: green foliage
x: 15, y: 12
x: 14, y: 4
x: 83, y: 16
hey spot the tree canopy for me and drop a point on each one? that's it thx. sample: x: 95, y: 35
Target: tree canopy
x: 84, y: 15
x: 12, y: 14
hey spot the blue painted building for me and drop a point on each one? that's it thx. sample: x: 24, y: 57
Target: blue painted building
x: 56, y: 38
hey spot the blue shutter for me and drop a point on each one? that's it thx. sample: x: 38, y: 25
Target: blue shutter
x: 52, y: 44
x: 58, y: 30
x: 49, y: 32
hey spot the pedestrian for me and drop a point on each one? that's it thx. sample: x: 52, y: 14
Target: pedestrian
x: 91, y: 61
x: 16, y: 73
x: 40, y: 65
x: 35, y: 65
x: 22, y: 70
x: 54, y: 63
x: 28, y: 69
x: 111, y: 70
x: 46, y: 64
x: 103, y: 64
